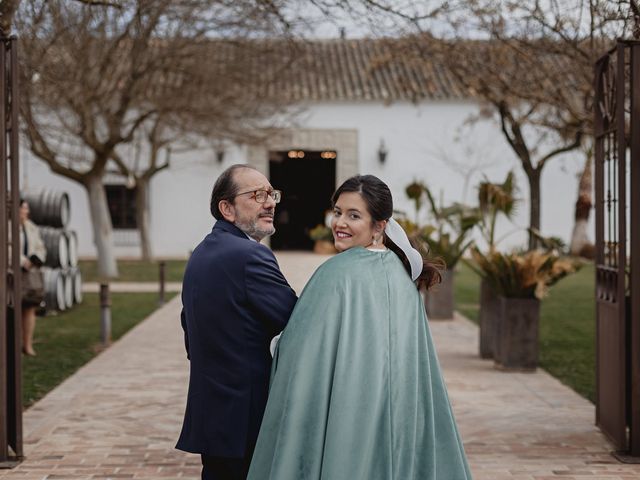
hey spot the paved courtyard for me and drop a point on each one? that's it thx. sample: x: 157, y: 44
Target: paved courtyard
x: 119, y: 416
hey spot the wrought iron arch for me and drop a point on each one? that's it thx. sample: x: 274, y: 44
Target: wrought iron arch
x: 617, y: 171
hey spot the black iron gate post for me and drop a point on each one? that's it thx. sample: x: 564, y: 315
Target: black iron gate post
x: 610, y: 351
x: 634, y: 255
x: 617, y: 148
x: 11, y: 442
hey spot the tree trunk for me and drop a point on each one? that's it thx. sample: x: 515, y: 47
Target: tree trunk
x: 142, y: 218
x: 534, y: 207
x: 102, y: 228
x: 580, y: 235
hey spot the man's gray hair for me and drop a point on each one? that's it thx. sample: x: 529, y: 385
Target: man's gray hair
x: 225, y: 188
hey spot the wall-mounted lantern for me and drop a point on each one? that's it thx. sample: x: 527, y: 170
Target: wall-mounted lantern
x: 220, y: 154
x: 382, y: 151
x: 219, y: 150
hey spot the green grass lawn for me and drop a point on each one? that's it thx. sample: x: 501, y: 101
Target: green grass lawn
x: 70, y: 339
x: 567, y: 325
x: 136, y: 271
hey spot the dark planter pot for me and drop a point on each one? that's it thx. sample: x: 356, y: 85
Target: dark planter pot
x: 439, y: 300
x: 488, y: 318
x: 518, y: 334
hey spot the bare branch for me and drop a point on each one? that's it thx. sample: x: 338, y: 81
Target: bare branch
x: 577, y: 141
x: 513, y: 133
x: 117, y: 159
x: 100, y: 3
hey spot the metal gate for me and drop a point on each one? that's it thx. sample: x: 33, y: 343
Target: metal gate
x: 10, y: 308
x: 617, y: 148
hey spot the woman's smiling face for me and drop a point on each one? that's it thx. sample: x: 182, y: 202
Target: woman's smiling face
x: 352, y: 225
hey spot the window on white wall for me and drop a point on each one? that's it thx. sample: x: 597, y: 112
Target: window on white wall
x: 122, y: 206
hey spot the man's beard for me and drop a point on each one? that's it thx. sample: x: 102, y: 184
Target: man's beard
x: 251, y: 228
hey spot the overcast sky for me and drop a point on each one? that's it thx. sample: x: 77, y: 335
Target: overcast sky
x: 361, y: 22
x: 357, y: 23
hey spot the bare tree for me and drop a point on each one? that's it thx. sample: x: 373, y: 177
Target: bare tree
x: 8, y: 10
x: 202, y: 114
x: 531, y: 62
x: 94, y: 77
x: 566, y: 38
x: 534, y: 65
x: 235, y: 108
x: 580, y: 236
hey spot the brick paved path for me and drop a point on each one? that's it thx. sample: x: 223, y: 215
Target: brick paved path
x: 519, y: 426
x: 119, y: 416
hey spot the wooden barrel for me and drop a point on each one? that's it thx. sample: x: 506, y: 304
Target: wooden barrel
x: 76, y: 277
x: 68, y: 288
x: 54, y: 289
x: 48, y: 207
x: 55, y: 241
x: 72, y: 244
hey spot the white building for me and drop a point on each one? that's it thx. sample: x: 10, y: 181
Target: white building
x: 398, y: 123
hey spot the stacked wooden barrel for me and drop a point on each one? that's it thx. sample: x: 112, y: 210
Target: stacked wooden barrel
x: 50, y: 210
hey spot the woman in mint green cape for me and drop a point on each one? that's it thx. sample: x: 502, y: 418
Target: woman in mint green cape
x: 356, y: 390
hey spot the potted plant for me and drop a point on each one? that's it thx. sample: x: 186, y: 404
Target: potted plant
x: 494, y: 199
x: 323, y: 238
x: 448, y: 238
x: 520, y: 280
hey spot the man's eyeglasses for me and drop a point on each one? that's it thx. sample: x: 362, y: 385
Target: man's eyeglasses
x: 260, y: 196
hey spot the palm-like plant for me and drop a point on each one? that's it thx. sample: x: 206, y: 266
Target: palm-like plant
x: 415, y: 191
x: 321, y: 232
x: 526, y: 275
x: 495, y: 199
x: 448, y: 235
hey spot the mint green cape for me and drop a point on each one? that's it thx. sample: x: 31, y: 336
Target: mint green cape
x: 356, y: 390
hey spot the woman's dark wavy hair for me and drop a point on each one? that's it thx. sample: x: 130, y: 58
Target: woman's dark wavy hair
x: 377, y: 196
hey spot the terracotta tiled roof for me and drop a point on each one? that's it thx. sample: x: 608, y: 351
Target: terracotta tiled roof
x: 285, y: 71
x: 364, y: 69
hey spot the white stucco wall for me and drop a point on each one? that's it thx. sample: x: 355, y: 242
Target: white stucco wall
x: 433, y: 142
x: 179, y: 200
x: 428, y: 142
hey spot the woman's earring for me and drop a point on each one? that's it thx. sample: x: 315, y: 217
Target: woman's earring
x: 375, y: 241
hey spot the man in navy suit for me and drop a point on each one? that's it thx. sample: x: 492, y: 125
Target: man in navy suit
x: 235, y: 300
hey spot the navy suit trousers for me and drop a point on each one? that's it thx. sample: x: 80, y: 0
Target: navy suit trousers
x: 222, y: 468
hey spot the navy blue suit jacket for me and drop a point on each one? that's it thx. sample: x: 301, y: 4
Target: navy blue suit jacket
x: 235, y: 299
